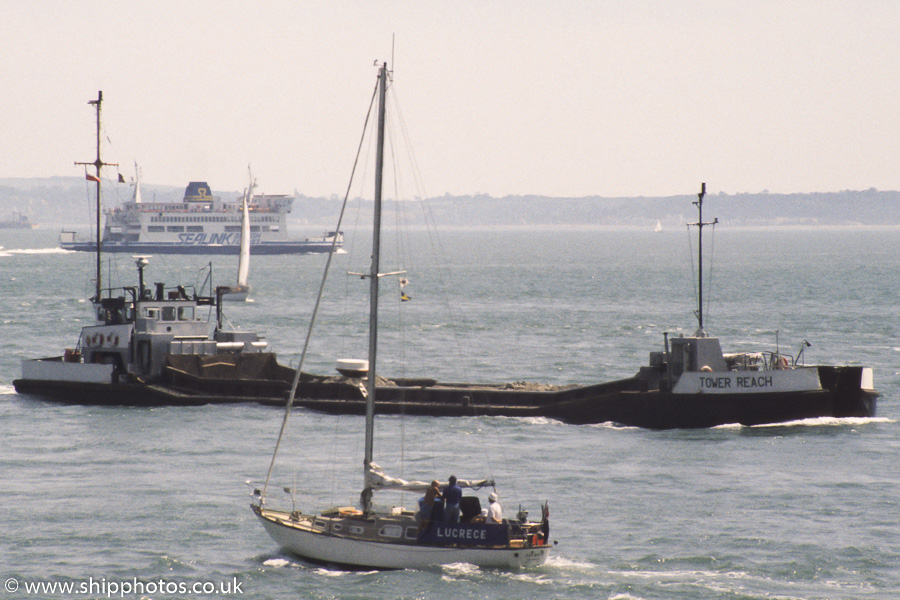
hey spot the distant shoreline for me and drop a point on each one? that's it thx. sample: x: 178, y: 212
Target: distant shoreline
x: 50, y: 201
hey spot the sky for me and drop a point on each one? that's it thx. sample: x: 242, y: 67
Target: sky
x: 567, y: 98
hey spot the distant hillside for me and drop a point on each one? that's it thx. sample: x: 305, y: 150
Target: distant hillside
x: 69, y: 201
x: 870, y: 207
x: 59, y: 201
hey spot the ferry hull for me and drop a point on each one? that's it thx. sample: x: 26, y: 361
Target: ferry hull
x: 265, y: 248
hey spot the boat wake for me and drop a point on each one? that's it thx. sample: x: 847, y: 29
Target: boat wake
x: 813, y: 422
x: 610, y: 425
x: 468, y: 571
x: 828, y: 422
x: 458, y: 570
x: 535, y: 420
x: 561, y: 563
x: 279, y: 563
x: 337, y: 572
x: 5, y: 252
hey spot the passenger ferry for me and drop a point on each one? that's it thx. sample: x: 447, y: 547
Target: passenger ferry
x: 200, y: 224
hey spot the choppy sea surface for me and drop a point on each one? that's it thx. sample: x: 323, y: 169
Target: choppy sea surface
x: 104, y: 498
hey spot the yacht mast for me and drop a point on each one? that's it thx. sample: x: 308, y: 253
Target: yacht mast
x: 373, y: 288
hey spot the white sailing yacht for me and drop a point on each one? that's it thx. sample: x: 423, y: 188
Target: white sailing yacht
x: 393, y: 538
x: 240, y: 291
x: 136, y: 195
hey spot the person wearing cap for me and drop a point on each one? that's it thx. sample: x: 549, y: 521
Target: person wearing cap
x: 452, y: 494
x: 495, y: 512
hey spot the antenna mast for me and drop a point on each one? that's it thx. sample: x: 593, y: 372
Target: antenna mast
x: 700, y: 224
x: 98, y: 164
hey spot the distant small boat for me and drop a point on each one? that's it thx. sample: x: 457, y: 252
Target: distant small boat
x: 16, y: 221
x: 658, y: 227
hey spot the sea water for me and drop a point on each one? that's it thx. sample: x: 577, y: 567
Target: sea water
x: 151, y: 502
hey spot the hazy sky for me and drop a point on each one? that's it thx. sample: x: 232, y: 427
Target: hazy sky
x: 561, y: 98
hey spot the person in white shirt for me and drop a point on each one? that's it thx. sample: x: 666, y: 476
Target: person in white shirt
x: 495, y: 512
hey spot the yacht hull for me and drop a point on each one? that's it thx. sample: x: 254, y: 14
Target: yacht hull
x: 344, y: 551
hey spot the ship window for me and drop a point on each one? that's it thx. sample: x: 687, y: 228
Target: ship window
x: 357, y: 530
x: 185, y: 313
x: 155, y: 228
x: 168, y: 313
x: 391, y: 531
x: 233, y: 228
x: 337, y: 527
x: 151, y: 313
x: 195, y: 228
x: 254, y: 228
x: 412, y: 533
x: 175, y: 228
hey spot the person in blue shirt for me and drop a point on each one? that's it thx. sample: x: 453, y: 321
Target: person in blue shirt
x: 452, y: 494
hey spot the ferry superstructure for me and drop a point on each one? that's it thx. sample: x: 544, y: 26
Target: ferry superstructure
x: 201, y: 223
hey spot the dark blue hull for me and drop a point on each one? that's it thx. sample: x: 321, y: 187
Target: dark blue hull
x: 298, y: 247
